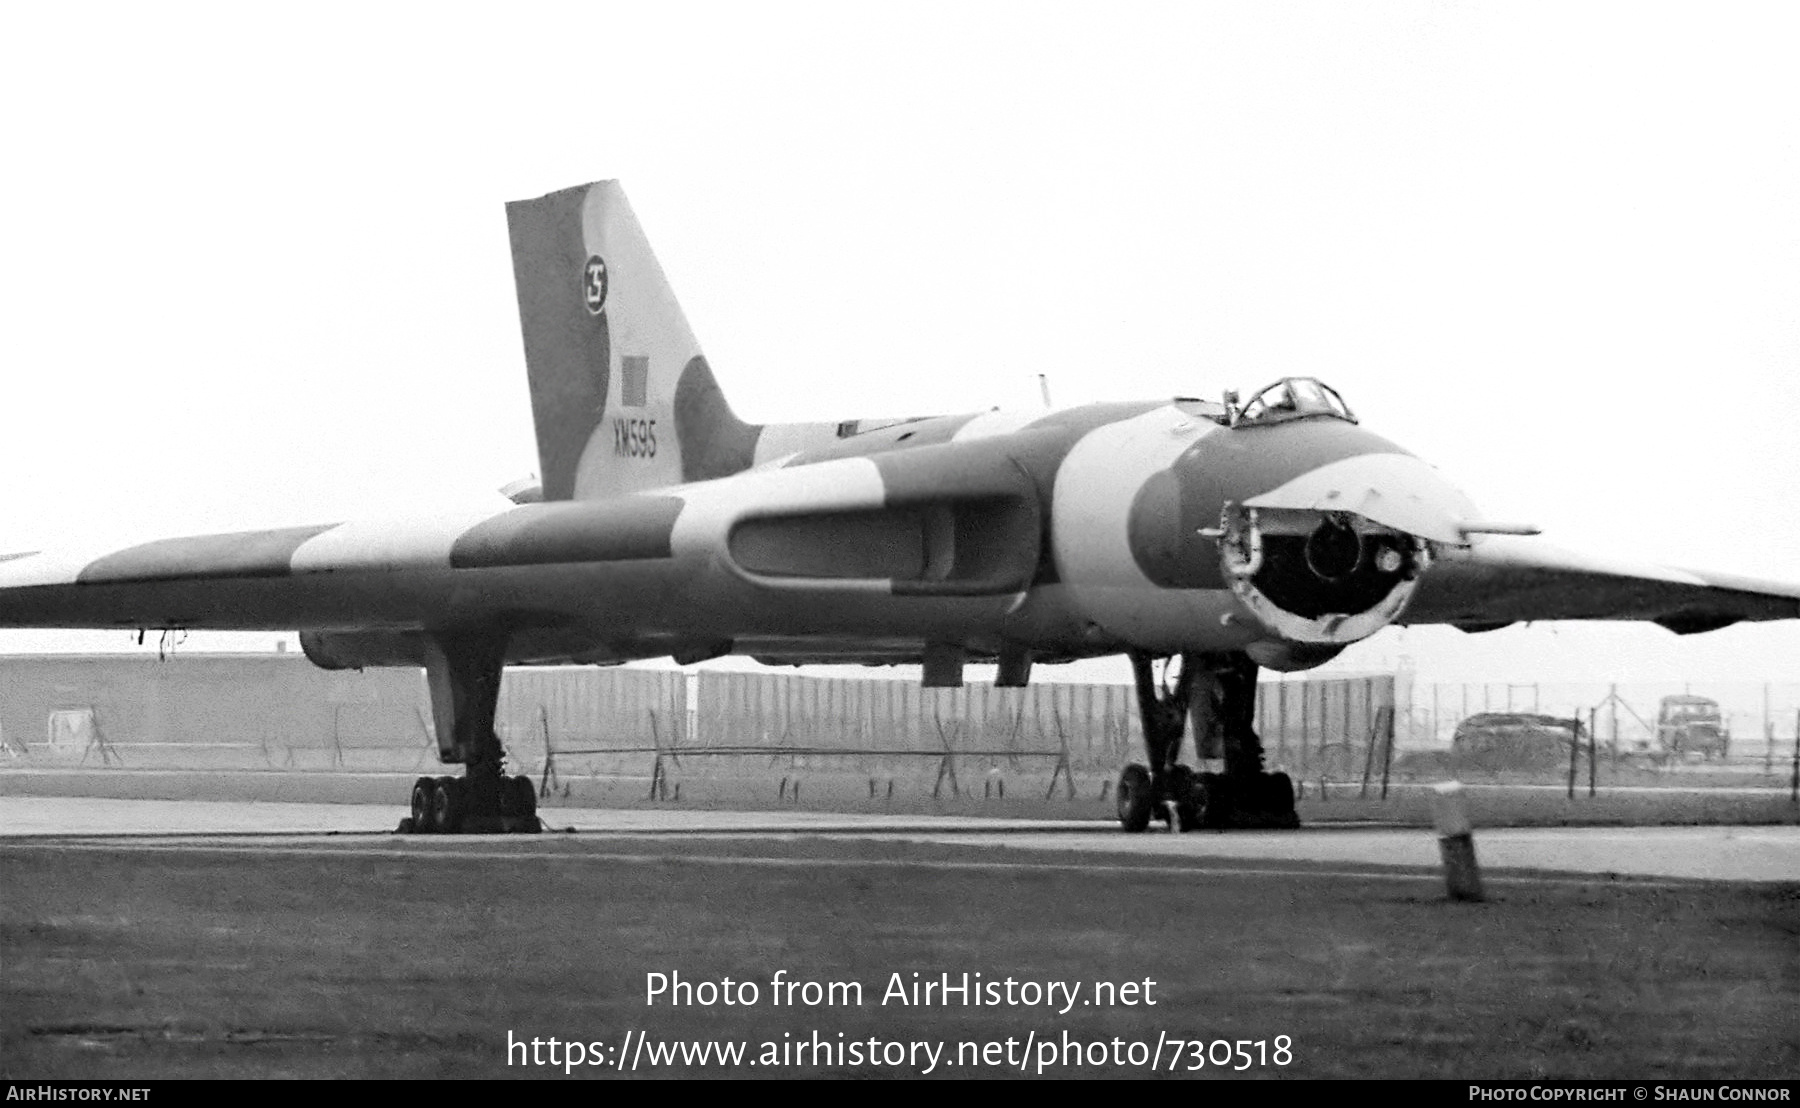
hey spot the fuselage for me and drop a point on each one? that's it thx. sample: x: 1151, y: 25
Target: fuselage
x: 1071, y: 533
x: 1164, y: 526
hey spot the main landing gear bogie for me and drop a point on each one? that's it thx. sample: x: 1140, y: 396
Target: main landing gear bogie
x: 462, y: 805
x: 463, y: 671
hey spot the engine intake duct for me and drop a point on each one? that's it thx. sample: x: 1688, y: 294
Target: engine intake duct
x: 949, y: 525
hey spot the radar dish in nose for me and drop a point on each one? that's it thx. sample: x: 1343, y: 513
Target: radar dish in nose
x: 1333, y: 550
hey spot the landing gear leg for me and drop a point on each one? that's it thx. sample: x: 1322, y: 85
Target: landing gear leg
x: 1244, y: 795
x: 1165, y: 789
x: 463, y: 673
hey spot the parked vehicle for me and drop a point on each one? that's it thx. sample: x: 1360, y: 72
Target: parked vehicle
x: 1692, y: 725
x: 1496, y: 741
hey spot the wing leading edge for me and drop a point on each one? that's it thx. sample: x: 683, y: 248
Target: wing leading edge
x: 1503, y: 579
x: 387, y: 573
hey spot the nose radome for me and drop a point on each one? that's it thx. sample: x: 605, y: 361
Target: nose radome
x: 1394, y: 490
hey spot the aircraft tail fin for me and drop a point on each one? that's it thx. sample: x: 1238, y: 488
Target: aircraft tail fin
x: 621, y: 397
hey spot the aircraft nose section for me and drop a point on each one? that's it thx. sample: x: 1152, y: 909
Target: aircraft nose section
x: 1394, y: 490
x: 1325, y: 529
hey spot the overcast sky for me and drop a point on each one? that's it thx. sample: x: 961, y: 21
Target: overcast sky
x: 256, y: 265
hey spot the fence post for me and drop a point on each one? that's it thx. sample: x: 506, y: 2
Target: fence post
x: 1768, y: 714
x: 1794, y: 780
x: 549, y: 753
x: 1062, y: 763
x: 947, y: 766
x: 1387, y: 755
x: 659, y: 781
x: 1593, y: 742
x: 1305, y: 729
x: 1369, y: 754
x: 1612, y: 701
x: 1281, y: 721
x: 97, y: 740
x: 1574, y: 752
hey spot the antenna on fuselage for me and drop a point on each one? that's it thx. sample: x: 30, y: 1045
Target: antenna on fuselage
x: 1044, y: 389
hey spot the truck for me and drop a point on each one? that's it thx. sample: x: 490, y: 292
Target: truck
x: 1692, y: 725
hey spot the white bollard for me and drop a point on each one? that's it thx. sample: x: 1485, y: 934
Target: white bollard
x: 1456, y: 841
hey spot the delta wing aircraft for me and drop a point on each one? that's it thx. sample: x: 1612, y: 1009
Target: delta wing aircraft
x: 1203, y: 539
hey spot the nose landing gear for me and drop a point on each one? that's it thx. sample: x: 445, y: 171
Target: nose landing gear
x: 1244, y: 796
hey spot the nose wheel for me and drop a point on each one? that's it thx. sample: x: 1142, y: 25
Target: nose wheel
x: 1136, y: 798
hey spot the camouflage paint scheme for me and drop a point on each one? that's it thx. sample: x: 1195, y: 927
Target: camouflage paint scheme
x: 670, y: 527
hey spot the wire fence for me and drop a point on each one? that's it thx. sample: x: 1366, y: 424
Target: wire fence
x: 277, y: 712
x: 1759, y: 717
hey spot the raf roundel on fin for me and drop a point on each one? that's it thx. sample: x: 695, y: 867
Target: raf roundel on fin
x: 593, y: 284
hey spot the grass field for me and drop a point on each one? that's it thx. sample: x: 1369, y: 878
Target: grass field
x: 169, y: 964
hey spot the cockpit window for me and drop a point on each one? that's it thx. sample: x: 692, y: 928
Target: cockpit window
x: 1295, y: 398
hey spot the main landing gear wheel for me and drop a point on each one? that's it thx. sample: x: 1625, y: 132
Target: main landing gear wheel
x: 1187, y: 798
x: 450, y: 805
x: 424, y: 791
x: 1135, y: 798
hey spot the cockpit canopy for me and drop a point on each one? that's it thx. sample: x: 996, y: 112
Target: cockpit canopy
x: 1293, y: 398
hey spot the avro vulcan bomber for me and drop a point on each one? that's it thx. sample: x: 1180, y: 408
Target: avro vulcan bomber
x: 1202, y: 538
